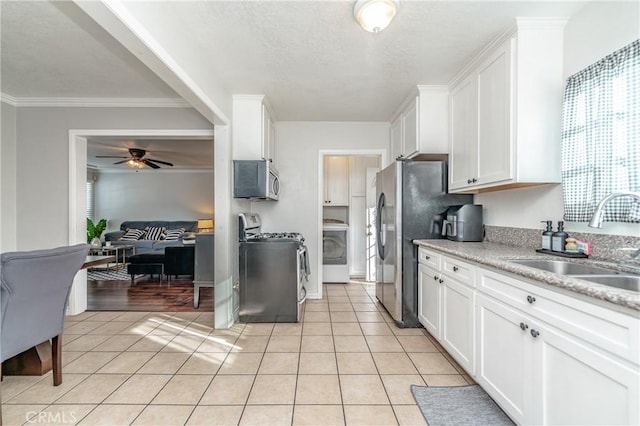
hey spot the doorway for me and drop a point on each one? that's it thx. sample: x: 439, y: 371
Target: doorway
x: 345, y: 214
x: 78, y: 141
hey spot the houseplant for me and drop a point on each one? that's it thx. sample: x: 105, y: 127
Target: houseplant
x: 94, y: 232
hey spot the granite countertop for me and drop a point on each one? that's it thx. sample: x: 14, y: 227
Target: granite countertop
x: 498, y: 256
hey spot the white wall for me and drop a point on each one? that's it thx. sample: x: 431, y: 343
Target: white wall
x: 43, y: 161
x: 153, y: 195
x: 599, y: 29
x: 297, y: 152
x: 8, y: 167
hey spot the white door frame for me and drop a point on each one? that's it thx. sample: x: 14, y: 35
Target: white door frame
x: 78, y: 196
x: 370, y: 196
x: 327, y: 152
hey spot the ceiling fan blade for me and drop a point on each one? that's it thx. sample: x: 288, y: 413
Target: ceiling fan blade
x: 110, y: 156
x: 150, y: 164
x: 120, y: 162
x: 161, y: 162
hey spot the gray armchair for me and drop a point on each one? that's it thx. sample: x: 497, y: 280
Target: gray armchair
x: 35, y: 289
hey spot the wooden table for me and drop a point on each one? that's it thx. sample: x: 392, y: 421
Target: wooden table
x: 92, y: 261
x: 37, y: 360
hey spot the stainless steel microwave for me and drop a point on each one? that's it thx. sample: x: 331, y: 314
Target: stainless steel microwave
x: 255, y: 179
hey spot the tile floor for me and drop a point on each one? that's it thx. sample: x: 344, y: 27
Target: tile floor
x: 346, y: 363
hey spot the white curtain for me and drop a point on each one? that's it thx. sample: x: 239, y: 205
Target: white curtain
x: 601, y: 137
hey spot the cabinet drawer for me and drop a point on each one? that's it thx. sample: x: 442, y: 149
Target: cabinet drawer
x: 461, y: 271
x: 604, y: 328
x: 429, y: 258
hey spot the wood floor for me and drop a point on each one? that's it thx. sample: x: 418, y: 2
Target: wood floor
x: 147, y: 295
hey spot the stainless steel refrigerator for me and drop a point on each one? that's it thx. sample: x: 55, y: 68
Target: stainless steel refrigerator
x: 411, y: 196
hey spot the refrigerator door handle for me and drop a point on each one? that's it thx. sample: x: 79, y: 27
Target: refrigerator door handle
x: 380, y: 234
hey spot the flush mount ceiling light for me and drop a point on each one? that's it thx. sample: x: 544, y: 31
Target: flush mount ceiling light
x: 375, y: 15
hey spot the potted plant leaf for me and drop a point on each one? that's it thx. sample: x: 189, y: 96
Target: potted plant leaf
x: 94, y: 232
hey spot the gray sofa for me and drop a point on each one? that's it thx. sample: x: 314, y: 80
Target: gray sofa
x: 150, y: 246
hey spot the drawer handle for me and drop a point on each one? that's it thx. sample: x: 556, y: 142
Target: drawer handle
x: 427, y: 257
x: 440, y: 280
x: 455, y: 269
x: 534, y: 333
x: 531, y: 299
x: 523, y: 326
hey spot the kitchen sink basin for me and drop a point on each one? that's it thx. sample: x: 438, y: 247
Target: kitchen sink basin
x: 625, y: 282
x: 562, y: 267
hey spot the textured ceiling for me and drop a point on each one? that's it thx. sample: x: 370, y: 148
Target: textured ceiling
x: 310, y: 58
x: 52, y: 49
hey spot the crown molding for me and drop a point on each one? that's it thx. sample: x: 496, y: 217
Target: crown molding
x: 96, y: 102
x: 8, y: 99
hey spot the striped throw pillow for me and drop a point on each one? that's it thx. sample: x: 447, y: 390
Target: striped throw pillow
x: 173, y: 234
x: 153, y: 233
x: 132, y: 235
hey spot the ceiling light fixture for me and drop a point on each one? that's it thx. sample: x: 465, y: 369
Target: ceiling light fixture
x: 135, y: 164
x: 375, y: 15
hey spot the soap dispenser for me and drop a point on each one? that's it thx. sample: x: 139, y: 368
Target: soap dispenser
x: 558, y: 239
x: 547, y: 234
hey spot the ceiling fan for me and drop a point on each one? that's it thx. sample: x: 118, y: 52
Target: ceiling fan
x: 136, y: 159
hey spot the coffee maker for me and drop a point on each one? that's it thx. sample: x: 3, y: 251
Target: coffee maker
x: 463, y: 223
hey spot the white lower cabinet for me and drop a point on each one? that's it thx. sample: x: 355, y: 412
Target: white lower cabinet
x: 575, y: 384
x: 429, y: 299
x: 545, y: 357
x: 446, y: 306
x: 504, y: 357
x: 540, y: 374
x: 457, y: 322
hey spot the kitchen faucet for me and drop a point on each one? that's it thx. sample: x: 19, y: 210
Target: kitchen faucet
x: 598, y: 214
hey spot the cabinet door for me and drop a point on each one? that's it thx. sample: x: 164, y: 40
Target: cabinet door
x: 494, y: 162
x: 575, y: 384
x: 458, y: 322
x: 410, y: 138
x: 268, y: 135
x: 463, y: 135
x: 429, y: 299
x: 396, y: 139
x: 504, y: 355
x: 336, y: 180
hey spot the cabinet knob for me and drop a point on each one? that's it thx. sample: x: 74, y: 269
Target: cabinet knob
x: 440, y: 280
x: 435, y: 278
x: 455, y: 269
x: 523, y: 326
x: 531, y: 299
x: 427, y: 257
x: 474, y: 180
x: 468, y: 180
x: 534, y: 333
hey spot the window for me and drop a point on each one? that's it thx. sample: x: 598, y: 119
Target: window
x: 90, y: 199
x: 601, y: 137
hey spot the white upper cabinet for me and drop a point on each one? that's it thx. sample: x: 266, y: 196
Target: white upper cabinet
x: 464, y: 138
x: 419, y: 125
x: 505, y: 111
x: 253, y: 130
x: 396, y: 138
x: 268, y: 135
x: 336, y: 180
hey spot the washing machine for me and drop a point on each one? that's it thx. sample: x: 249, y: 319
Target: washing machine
x: 335, y: 252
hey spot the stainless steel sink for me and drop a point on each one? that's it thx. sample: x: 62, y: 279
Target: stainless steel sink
x: 562, y: 267
x: 625, y: 282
